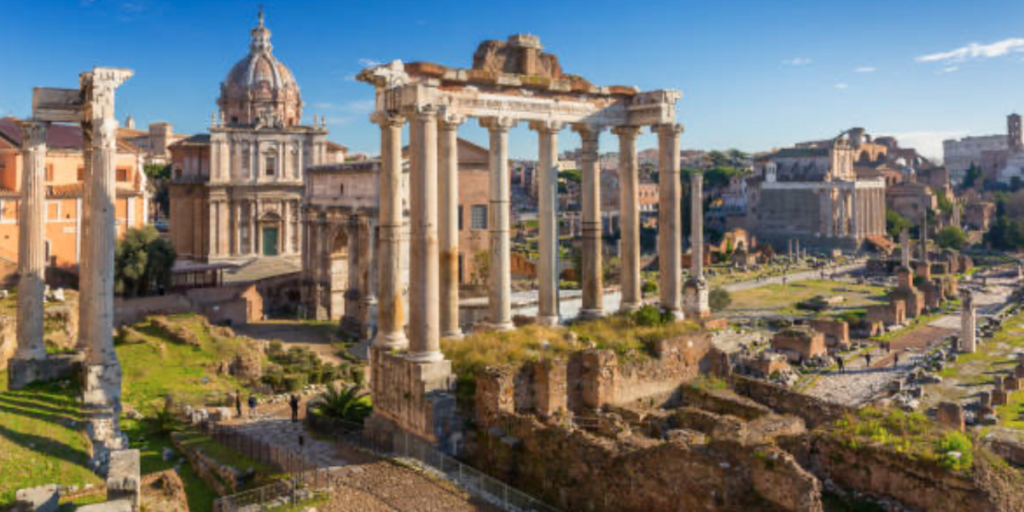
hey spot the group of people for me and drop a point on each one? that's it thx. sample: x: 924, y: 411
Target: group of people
x: 293, y: 402
x: 867, y: 360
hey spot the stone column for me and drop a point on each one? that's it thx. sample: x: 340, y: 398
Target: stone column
x: 448, y: 218
x: 424, y: 298
x: 592, y: 278
x: 391, y: 315
x: 547, y: 217
x: 253, y: 214
x: 670, y: 237
x: 968, y: 341
x: 501, y: 258
x: 32, y: 242
x: 905, y: 248
x: 629, y: 217
x: 696, y: 301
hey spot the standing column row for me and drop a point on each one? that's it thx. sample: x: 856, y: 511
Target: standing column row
x: 32, y: 241
x: 591, y: 279
x: 670, y: 239
x: 629, y: 217
x: 547, y: 218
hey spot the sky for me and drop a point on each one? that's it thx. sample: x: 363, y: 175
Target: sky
x: 755, y: 74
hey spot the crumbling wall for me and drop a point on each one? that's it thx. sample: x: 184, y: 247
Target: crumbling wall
x: 781, y: 399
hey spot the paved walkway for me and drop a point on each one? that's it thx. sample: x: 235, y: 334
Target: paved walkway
x: 362, y: 481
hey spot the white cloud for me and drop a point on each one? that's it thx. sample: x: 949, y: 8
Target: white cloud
x: 927, y: 143
x: 369, y: 63
x: 976, y: 51
x: 842, y: 86
x: 949, y: 69
x: 865, y: 69
x: 356, y: 107
x: 797, y: 61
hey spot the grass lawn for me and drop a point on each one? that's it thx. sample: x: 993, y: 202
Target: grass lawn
x: 158, y: 367
x: 785, y: 297
x: 40, y: 439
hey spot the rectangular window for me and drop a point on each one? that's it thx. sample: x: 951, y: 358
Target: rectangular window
x: 122, y: 175
x: 271, y: 165
x: 81, y: 174
x: 479, y: 216
x: 49, y: 172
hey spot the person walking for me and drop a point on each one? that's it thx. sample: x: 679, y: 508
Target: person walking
x: 896, y: 360
x: 867, y: 360
x: 252, y: 406
x: 842, y: 365
x: 294, y: 403
x: 238, y: 403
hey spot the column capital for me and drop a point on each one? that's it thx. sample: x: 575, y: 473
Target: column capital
x: 421, y: 112
x: 448, y: 121
x: 547, y: 126
x: 587, y: 130
x: 626, y: 130
x: 33, y: 133
x: 668, y: 129
x: 387, y: 119
x: 498, y: 124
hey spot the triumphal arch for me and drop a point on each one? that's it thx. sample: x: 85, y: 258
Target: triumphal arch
x: 511, y: 82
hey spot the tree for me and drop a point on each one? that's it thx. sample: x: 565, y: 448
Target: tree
x: 951, y: 237
x: 719, y: 299
x: 158, y: 175
x: 945, y: 205
x: 1006, y: 234
x: 142, y: 262
x: 973, y: 176
x: 344, y: 403
x: 895, y: 223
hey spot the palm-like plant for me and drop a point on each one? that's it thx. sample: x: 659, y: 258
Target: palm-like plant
x: 344, y: 403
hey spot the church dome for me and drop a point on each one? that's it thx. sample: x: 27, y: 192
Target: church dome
x: 259, y: 89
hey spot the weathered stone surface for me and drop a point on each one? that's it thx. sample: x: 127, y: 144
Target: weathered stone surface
x: 120, y: 505
x: 800, y: 343
x: 951, y: 415
x: 37, y: 499
x: 22, y: 372
x: 124, y: 479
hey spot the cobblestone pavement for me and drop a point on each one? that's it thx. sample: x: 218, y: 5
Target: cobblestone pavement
x: 363, y: 482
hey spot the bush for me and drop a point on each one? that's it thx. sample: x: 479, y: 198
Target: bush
x: 347, y: 404
x: 951, y: 444
x: 719, y: 299
x: 951, y: 237
x: 649, y: 288
x: 648, y: 316
x: 295, y: 382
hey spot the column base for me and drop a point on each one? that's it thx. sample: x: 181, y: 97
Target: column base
x: 501, y: 327
x: 548, y: 320
x: 677, y: 314
x: 393, y: 340
x: 591, y: 314
x: 425, y: 357
x: 629, y: 307
x: 454, y: 334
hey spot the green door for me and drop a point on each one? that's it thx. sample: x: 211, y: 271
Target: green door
x: 270, y: 241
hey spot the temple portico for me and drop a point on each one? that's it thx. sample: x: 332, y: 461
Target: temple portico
x: 512, y: 83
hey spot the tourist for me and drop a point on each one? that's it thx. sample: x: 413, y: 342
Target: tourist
x: 842, y: 365
x: 252, y: 406
x: 238, y: 403
x: 294, y: 403
x: 867, y: 360
x: 896, y: 360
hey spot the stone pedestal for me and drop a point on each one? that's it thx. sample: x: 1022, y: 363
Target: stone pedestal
x: 37, y: 499
x: 124, y: 479
x: 695, y: 299
x: 951, y: 415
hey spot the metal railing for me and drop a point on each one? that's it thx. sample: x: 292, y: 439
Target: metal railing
x: 268, y: 497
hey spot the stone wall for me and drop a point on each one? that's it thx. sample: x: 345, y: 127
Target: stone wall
x: 237, y: 305
x: 592, y: 379
x: 575, y: 470
x: 918, y: 484
x: 837, y: 333
x: 781, y: 399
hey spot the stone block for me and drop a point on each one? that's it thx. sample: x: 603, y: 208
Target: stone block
x: 120, y: 505
x: 997, y: 382
x: 22, y: 372
x: 985, y: 399
x: 1018, y: 372
x: 221, y: 413
x: 37, y: 499
x: 124, y: 477
x: 999, y: 397
x: 837, y: 333
x: 1011, y: 384
x: 800, y: 343
x: 951, y: 415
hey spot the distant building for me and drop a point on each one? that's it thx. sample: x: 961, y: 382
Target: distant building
x: 989, y: 152
x: 155, y: 142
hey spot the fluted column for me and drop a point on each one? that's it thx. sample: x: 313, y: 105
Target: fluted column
x: 501, y: 246
x: 592, y: 278
x: 547, y: 218
x: 424, y: 298
x: 32, y: 241
x: 99, y: 133
x: 629, y: 217
x: 391, y: 316
x: 448, y: 218
x: 670, y: 236
x: 696, y: 301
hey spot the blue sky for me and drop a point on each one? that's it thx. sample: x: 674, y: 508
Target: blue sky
x: 755, y: 74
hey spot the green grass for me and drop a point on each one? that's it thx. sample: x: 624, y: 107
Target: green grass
x: 785, y: 297
x: 160, y: 367
x: 38, y: 443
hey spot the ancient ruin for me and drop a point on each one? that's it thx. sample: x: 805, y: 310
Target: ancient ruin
x: 511, y: 82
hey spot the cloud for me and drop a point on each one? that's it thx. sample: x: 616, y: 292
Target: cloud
x: 842, y: 86
x: 369, y: 63
x: 976, y: 51
x: 927, y: 143
x: 797, y: 61
x: 865, y: 69
x: 356, y: 107
x: 949, y: 69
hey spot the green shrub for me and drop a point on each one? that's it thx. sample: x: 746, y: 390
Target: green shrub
x: 955, y: 442
x: 649, y: 288
x: 719, y: 299
x: 648, y: 316
x: 295, y: 382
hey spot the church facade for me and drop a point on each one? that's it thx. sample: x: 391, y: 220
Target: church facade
x: 236, y: 192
